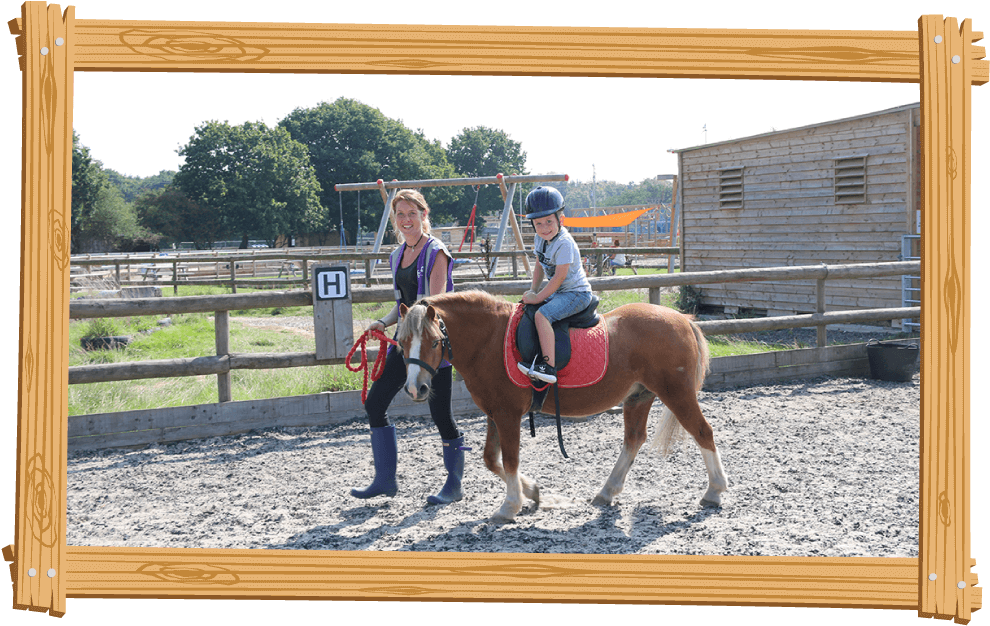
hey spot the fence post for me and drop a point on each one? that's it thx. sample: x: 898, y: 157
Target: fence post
x: 117, y: 265
x: 367, y: 272
x: 233, y: 276
x: 175, y: 278
x: 221, y: 321
x: 820, y: 296
x: 655, y: 295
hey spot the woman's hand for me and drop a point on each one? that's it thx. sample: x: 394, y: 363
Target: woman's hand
x: 376, y: 325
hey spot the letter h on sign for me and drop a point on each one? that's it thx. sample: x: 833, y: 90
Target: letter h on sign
x: 332, y: 316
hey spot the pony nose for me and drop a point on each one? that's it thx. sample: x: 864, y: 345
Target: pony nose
x: 418, y: 394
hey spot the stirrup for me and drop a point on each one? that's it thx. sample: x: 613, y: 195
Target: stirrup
x: 528, y: 372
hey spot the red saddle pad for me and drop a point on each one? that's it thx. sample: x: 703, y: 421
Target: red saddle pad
x: 589, y: 355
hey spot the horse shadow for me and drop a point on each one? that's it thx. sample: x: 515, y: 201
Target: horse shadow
x: 602, y: 534
x: 334, y: 536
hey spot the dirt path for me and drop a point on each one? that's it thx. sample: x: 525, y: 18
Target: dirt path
x: 825, y: 467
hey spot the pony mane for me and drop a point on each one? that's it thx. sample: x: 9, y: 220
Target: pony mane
x: 414, y: 321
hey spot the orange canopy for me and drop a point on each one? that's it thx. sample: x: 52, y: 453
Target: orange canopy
x: 604, y: 221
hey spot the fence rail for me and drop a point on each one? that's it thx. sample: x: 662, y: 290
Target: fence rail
x: 221, y: 364
x: 233, y: 266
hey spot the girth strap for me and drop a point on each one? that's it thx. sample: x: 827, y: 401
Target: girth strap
x: 556, y: 401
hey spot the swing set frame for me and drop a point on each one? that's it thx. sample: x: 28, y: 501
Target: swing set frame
x: 507, y: 186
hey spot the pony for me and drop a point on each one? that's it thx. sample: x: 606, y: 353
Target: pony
x: 653, y: 352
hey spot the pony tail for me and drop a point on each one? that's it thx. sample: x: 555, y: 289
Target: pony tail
x: 669, y: 431
x: 704, y: 357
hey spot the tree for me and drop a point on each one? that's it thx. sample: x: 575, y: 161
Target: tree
x: 171, y: 213
x: 133, y: 186
x: 350, y: 142
x: 482, y: 151
x: 258, y: 180
x: 109, y: 221
x: 88, y: 179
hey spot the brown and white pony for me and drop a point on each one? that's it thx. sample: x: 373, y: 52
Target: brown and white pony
x: 653, y: 352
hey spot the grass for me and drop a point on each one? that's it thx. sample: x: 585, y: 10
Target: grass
x: 192, y: 335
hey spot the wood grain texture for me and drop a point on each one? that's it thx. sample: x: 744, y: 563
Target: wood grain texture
x: 882, y: 56
x: 44, y: 306
x: 944, y: 520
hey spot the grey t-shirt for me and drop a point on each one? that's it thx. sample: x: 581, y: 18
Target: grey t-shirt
x: 558, y: 251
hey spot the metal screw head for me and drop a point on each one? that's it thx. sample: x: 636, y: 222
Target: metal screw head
x: 32, y: 572
x: 938, y: 38
x: 59, y: 41
x: 51, y: 573
x: 932, y: 576
x: 956, y: 59
x: 961, y: 585
x: 44, y: 51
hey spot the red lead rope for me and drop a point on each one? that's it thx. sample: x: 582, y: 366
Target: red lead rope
x: 378, y: 367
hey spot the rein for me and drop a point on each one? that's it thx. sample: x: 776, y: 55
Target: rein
x: 378, y: 367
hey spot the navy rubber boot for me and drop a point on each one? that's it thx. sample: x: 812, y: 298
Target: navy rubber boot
x: 453, y: 460
x: 384, y: 448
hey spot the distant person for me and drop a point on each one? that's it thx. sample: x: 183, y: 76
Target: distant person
x: 421, y: 266
x: 618, y: 259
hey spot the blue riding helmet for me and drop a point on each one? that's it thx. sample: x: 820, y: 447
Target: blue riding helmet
x: 543, y: 201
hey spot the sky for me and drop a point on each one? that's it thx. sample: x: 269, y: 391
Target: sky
x: 614, y: 129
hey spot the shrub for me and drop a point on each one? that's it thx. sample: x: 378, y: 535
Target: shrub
x: 102, y: 327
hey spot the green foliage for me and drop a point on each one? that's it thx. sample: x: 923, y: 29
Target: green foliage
x: 482, y: 151
x: 101, y: 327
x: 88, y: 179
x: 689, y: 300
x: 579, y: 194
x: 171, y: 213
x: 134, y: 186
x: 259, y: 181
x: 102, y: 217
x: 109, y: 220
x: 351, y: 142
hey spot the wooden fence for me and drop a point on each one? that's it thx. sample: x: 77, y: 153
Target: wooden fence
x: 254, y: 268
x: 167, y: 424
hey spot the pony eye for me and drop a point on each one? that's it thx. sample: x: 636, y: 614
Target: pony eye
x: 436, y: 343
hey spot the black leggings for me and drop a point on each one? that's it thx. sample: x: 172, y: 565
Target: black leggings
x: 391, y: 382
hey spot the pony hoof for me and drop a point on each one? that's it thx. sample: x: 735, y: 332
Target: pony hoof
x: 501, y: 519
x: 600, y: 500
x: 712, y: 499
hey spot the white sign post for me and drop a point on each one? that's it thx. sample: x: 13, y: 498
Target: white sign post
x: 332, y: 316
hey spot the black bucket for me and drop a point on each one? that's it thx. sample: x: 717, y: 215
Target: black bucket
x: 892, y: 360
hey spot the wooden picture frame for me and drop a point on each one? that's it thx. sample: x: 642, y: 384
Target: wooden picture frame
x: 940, y: 56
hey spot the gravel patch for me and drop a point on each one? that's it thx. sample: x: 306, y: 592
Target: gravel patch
x: 821, y: 467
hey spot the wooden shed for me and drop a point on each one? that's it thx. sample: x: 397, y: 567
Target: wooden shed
x: 838, y: 192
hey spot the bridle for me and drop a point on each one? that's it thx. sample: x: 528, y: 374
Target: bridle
x: 444, y: 346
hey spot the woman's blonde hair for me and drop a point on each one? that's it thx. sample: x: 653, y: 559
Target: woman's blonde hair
x: 413, y: 197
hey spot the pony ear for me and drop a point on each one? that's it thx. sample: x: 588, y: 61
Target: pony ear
x: 403, y: 309
x: 431, y: 313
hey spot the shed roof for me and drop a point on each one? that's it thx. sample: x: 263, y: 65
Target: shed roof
x: 905, y: 107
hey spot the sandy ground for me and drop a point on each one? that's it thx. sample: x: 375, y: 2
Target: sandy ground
x: 823, y: 467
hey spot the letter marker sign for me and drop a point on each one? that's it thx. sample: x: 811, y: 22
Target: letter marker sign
x: 332, y: 316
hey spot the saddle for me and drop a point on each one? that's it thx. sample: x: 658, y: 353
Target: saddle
x: 522, y: 344
x: 528, y: 341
